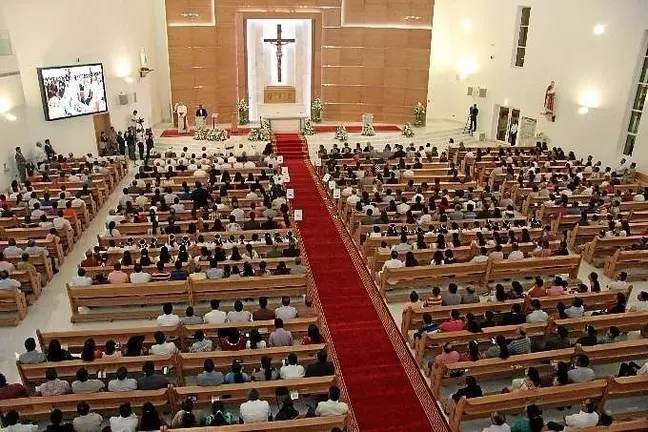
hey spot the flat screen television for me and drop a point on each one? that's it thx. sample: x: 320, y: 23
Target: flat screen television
x: 72, y: 91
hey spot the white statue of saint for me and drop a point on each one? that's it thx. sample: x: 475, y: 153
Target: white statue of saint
x: 181, y: 111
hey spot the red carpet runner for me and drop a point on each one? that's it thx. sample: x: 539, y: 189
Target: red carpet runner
x: 385, y: 388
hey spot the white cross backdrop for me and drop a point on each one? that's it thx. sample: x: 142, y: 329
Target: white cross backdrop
x: 262, y: 60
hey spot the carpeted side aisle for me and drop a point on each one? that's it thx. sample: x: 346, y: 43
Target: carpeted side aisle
x: 380, y: 381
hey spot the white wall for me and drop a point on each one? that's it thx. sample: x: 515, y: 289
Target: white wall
x: 62, y: 32
x: 562, y: 47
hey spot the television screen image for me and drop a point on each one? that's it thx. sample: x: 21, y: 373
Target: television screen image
x: 71, y: 91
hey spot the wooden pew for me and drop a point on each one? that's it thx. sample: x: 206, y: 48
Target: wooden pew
x: 555, y: 265
x: 25, y: 234
x: 42, y: 263
x: 115, y: 295
x: 602, y: 247
x: 583, y: 234
x: 233, y: 289
x: 191, y: 364
x: 625, y: 260
x: 38, y: 408
x: 239, y: 392
x: 412, y: 318
x: 431, y: 275
x: 74, y: 339
x: 514, y: 366
x: 482, y: 407
x: 13, y: 307
x: 311, y: 424
x: 53, y: 247
x: 34, y: 374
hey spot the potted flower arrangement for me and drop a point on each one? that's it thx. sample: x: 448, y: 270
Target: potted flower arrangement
x: 200, y: 134
x: 408, y: 130
x: 264, y: 133
x: 243, y: 112
x: 308, y: 128
x: 368, y: 130
x: 419, y: 113
x: 217, y: 134
x: 341, y: 133
x: 316, y: 110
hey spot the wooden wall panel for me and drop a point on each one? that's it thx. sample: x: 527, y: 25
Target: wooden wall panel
x: 359, y: 65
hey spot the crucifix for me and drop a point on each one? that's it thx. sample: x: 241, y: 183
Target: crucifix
x: 279, y: 43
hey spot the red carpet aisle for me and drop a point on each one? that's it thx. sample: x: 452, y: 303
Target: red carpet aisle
x: 385, y: 388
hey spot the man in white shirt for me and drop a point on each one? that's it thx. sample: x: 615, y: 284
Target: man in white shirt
x: 60, y: 223
x: 620, y: 283
x: 141, y: 200
x: 139, y: 276
x: 13, y: 251
x: 86, y: 421
x: 122, y: 382
x: 168, y: 318
x: 292, y: 369
x: 126, y: 421
x: 642, y: 303
x: 81, y: 279
x: 12, y: 423
x: 215, y: 316
x: 403, y: 207
x: 538, y: 315
x: 587, y: 417
x: 393, y: 262
x: 516, y: 254
x: 482, y: 257
x: 285, y: 312
x: 254, y: 410
x: 238, y: 213
x: 333, y: 406
x: 162, y: 346
x: 499, y: 423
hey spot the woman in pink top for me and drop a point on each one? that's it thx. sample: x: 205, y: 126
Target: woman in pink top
x: 557, y: 288
x: 449, y: 355
x: 6, y: 265
x: 455, y: 323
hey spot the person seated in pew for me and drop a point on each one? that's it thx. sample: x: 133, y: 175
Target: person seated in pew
x: 263, y: 313
x: 139, y: 276
x: 122, y: 382
x: 86, y: 421
x: 31, y: 355
x: 117, y: 276
x: 11, y: 391
x: 612, y: 335
x: 515, y: 317
x: 53, y: 386
x: 83, y: 383
x: 150, y: 380
x: 215, y: 315
x: 532, y: 380
x: 481, y: 257
x: 162, y: 346
x: 280, y: 337
x: 538, y: 289
x: 521, y: 344
x: 449, y: 355
x: 13, y: 251
x: 537, y: 315
x: 81, y: 279
x: 332, y: 406
x: 581, y: 372
x: 313, y: 336
x: 254, y: 410
x: 489, y: 320
x: 168, y: 318
x: 619, y: 305
x: 452, y: 297
x: 532, y: 423
x: 209, y: 376
x: 642, y: 303
x: 126, y: 421
x: 470, y: 297
x: 201, y: 343
x: 577, y: 309
x: 232, y: 340
x: 620, y: 283
x: 160, y: 275
x: 290, y: 368
x: 8, y: 283
x: 56, y: 422
x: 286, y: 311
x: 435, y: 299
x: 198, y: 274
x: 414, y: 302
x: 499, y: 424
x: 557, y: 339
x: 236, y: 375
x: 455, y: 323
x: 471, y: 390
x: 90, y: 260
x: 190, y: 317
x: 6, y: 265
x: 178, y: 273
x: 585, y: 418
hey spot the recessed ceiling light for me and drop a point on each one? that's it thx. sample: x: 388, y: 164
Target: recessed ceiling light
x: 467, y: 24
x: 599, y: 29
x: 583, y: 110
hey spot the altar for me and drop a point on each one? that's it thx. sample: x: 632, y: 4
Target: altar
x: 283, y: 117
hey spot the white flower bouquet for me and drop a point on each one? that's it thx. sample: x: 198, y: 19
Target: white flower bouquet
x: 200, y: 134
x: 217, y: 135
x: 308, y: 128
x: 419, y: 113
x: 368, y: 130
x: 316, y: 110
x: 243, y: 111
x: 341, y: 133
x: 408, y: 130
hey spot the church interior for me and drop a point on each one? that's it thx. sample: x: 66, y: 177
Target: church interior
x: 324, y: 215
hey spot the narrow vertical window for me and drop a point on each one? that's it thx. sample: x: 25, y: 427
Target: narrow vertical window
x: 522, y: 36
x: 638, y: 104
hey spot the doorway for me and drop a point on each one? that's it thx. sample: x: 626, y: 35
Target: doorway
x: 101, y: 124
x: 508, y: 121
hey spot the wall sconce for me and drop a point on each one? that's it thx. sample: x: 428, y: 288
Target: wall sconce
x: 466, y: 65
x: 129, y: 80
x: 587, y: 100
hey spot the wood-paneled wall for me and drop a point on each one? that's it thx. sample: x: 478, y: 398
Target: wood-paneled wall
x: 365, y: 64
